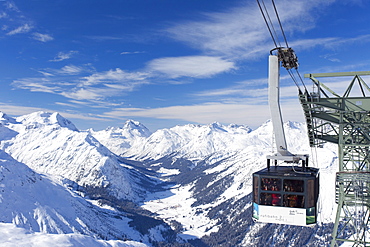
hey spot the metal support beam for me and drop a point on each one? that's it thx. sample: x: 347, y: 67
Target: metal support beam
x: 337, y: 74
x: 345, y: 121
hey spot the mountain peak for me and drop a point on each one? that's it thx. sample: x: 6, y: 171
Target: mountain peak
x: 136, y: 127
x: 40, y: 118
x: 56, y: 118
x: 5, y: 118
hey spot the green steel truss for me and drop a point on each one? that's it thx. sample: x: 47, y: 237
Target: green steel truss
x: 344, y: 120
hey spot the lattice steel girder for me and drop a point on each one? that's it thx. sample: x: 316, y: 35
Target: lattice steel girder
x: 353, y: 198
x: 344, y: 120
x: 323, y: 89
x: 355, y: 133
x: 349, y: 132
x: 337, y: 74
x: 355, y: 158
x: 352, y: 104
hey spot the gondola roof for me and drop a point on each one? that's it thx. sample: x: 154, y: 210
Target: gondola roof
x: 288, y: 171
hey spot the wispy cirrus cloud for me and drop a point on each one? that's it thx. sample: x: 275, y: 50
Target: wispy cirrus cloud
x: 3, y: 15
x: 17, y: 110
x: 10, y: 5
x: 222, y: 33
x: 81, y: 84
x: 61, y: 56
x: 67, y: 70
x: 14, y: 22
x: 240, y: 33
x: 25, y: 28
x: 42, y: 37
x: 71, y: 70
x: 130, y: 79
x: 131, y: 52
x: 191, y: 66
x: 248, y: 88
x: 44, y: 85
x: 206, y: 113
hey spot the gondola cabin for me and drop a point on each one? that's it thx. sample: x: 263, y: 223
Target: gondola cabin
x: 286, y: 195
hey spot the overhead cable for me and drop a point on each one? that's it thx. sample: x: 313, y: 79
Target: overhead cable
x: 287, y: 55
x: 281, y: 27
x: 266, y: 22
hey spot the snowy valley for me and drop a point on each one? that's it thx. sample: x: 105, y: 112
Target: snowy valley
x: 125, y: 186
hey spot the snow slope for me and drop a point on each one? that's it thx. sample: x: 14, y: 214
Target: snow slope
x: 192, y: 141
x: 51, y: 144
x: 207, y: 168
x: 212, y: 166
x: 121, y: 139
x: 38, y: 204
x: 80, y: 169
x: 217, y: 181
x: 12, y: 236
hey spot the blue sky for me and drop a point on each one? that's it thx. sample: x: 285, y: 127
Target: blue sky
x: 166, y: 62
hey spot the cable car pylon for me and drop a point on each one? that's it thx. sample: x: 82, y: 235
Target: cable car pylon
x: 345, y: 121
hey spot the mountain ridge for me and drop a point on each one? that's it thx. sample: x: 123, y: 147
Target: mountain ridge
x: 186, y: 180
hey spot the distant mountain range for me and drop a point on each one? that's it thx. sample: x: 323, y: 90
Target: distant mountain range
x: 184, y: 186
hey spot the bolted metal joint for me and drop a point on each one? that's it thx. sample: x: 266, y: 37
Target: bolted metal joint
x: 287, y: 57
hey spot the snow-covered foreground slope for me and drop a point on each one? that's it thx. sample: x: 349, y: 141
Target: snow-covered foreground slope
x: 12, y: 236
x: 196, y: 179
x: 38, y: 204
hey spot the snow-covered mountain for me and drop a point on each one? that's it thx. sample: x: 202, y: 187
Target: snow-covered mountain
x: 192, y: 141
x: 212, y: 166
x: 121, y: 139
x: 216, y: 181
x: 38, y: 204
x: 51, y: 144
x: 194, y: 179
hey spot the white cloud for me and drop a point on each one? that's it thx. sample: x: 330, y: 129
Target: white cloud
x: 21, y: 29
x: 131, y: 52
x: 36, y: 85
x: 105, y: 38
x: 45, y: 73
x: 68, y: 70
x: 67, y: 104
x: 190, y: 66
x: 130, y: 79
x: 63, y: 56
x: 3, y: 15
x: 85, y: 93
x: 10, y: 5
x: 42, y: 37
x: 224, y: 33
x: 17, y: 110
x: 71, y: 70
x: 203, y: 113
x: 69, y: 82
x: 251, y: 114
x: 250, y: 88
x: 241, y: 33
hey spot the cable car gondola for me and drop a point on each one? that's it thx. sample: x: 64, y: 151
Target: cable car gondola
x: 286, y: 195
x: 283, y: 194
